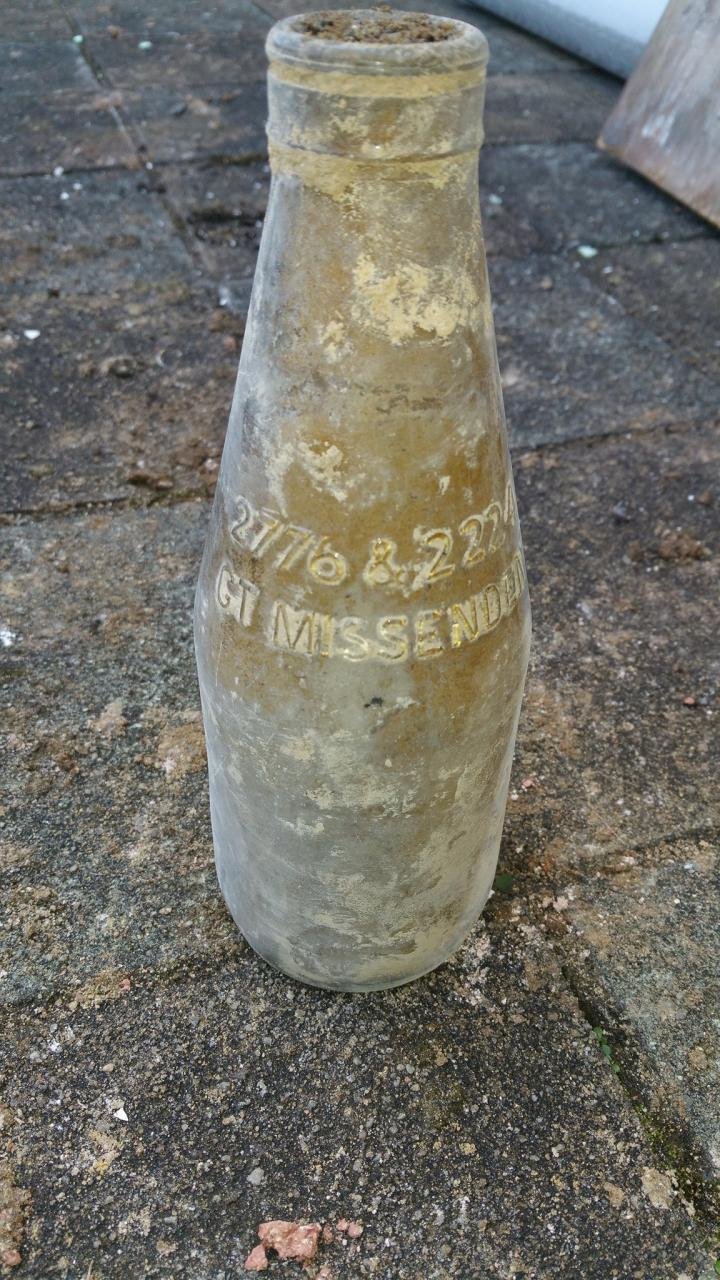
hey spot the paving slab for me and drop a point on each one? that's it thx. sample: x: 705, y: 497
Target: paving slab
x: 620, y: 714
x: 93, y: 234
x: 72, y: 130
x: 642, y: 951
x: 177, y: 59
x: 674, y: 288
x: 218, y: 120
x: 545, y: 199
x: 222, y: 208
x: 106, y: 735
x: 504, y: 1117
x: 34, y: 20
x: 118, y: 18
x: 50, y: 66
x: 213, y: 122
x: 116, y: 398
x: 469, y: 1125
x: 575, y: 364
x: 553, y: 107
x: 111, y: 788
x: 551, y: 198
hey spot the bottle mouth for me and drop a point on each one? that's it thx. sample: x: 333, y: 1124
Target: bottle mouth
x: 377, y: 42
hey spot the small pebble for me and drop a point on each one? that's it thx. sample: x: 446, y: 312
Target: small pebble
x: 587, y: 251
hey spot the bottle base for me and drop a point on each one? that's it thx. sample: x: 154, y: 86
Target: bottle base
x: 349, y: 987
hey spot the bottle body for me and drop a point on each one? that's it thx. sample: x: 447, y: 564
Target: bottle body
x: 362, y: 619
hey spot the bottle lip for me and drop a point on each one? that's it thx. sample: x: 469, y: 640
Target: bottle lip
x: 463, y: 47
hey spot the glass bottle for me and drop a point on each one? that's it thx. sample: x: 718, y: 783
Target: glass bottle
x: 362, y: 620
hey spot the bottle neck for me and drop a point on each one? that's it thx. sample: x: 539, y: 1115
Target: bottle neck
x: 372, y: 242
x: 376, y: 118
x: 375, y: 85
x: 363, y: 257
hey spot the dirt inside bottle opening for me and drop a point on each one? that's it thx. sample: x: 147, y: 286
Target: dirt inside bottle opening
x: 376, y: 26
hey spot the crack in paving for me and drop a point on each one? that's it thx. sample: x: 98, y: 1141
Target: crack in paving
x: 675, y: 1143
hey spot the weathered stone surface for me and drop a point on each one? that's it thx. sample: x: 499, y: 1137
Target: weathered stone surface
x: 534, y: 198
x: 86, y: 236
x: 223, y: 207
x: 551, y: 198
x: 105, y: 17
x: 111, y: 863
x: 555, y: 107
x: 469, y: 1124
x: 117, y: 398
x: 46, y: 65
x: 181, y: 59
x: 34, y: 20
x: 673, y: 289
x: 622, y: 566
x: 646, y: 927
x: 70, y: 130
x: 574, y: 364
x: 212, y: 122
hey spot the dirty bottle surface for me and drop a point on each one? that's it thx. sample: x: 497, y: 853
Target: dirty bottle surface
x: 362, y: 621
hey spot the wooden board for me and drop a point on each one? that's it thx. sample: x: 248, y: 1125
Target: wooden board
x: 667, y: 121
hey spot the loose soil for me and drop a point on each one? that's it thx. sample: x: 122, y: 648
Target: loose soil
x: 376, y: 26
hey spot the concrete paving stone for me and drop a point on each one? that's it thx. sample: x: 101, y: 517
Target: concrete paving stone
x: 554, y: 107
x: 468, y: 1123
x: 674, y: 288
x: 118, y: 397
x: 106, y: 736
x: 34, y: 20
x: 47, y: 66
x: 575, y: 364
x: 180, y: 60
x: 71, y: 130
x: 617, y: 743
x: 212, y: 122
x: 110, y: 867
x: 98, y: 234
x: 118, y: 18
x: 554, y: 198
x: 222, y: 207
x: 643, y: 950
